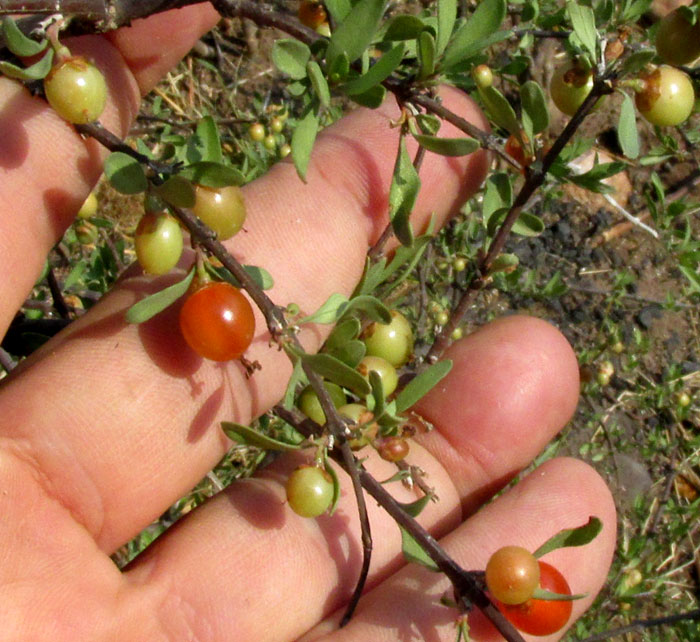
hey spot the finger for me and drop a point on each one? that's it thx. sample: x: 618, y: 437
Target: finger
x: 55, y: 167
x: 135, y: 419
x: 560, y: 494
x: 309, y: 568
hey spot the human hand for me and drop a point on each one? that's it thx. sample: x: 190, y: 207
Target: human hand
x: 108, y: 424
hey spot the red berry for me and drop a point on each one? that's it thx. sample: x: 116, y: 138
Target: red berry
x: 541, y: 617
x: 217, y: 321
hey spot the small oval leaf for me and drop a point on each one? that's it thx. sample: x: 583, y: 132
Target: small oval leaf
x: 125, y: 173
x: 422, y: 384
x: 147, y: 308
x: 251, y: 437
x: 17, y: 42
x: 448, y: 146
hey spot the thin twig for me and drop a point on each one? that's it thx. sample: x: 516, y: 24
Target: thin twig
x: 640, y: 625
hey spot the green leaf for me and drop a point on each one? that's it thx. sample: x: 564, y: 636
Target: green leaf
x: 448, y: 146
x: 413, y: 552
x: 428, y: 124
x: 205, y: 144
x: 378, y: 72
x: 350, y: 352
x: 356, y: 31
x: 583, y: 22
x: 338, y: 70
x: 212, y: 175
x: 372, y: 98
x: 535, y: 114
x: 422, y: 384
x: 498, y: 195
x: 338, y: 372
x: 572, y: 537
x: 528, y: 225
x: 147, y: 308
x: 37, y: 71
x: 331, y: 310
x: 375, y: 383
x: 415, y: 508
x: 291, y: 56
x: 404, y: 188
x: 347, y: 330
x: 251, y: 437
x: 263, y: 279
x: 177, y: 191
x: 17, y: 42
x: 303, y: 141
x: 426, y: 55
x: 404, y: 27
x: 499, y: 109
x: 469, y: 38
x: 371, y: 307
x: 635, y: 62
x: 542, y: 594
x: 336, y: 486
x: 447, y: 14
x: 627, y: 134
x: 125, y: 173
x: 318, y: 82
x: 408, y: 258
x: 339, y: 9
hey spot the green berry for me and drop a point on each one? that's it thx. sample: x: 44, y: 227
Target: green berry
x: 257, y: 132
x: 677, y: 41
x: 309, y: 491
x: 392, y: 341
x: 222, y: 209
x: 76, y: 90
x: 569, y: 87
x: 387, y: 372
x: 310, y: 405
x: 158, y: 242
x: 668, y: 97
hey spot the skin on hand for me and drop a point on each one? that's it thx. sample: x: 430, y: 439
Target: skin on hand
x: 127, y: 417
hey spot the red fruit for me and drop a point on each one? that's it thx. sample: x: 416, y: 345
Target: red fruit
x: 541, y: 617
x: 217, y: 321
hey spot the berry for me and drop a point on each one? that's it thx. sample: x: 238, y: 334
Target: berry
x: 441, y: 318
x: 312, y: 14
x: 483, y: 76
x: 270, y: 142
x: 541, y: 617
x: 309, y: 491
x: 257, y: 132
x: 285, y: 150
x: 514, y: 149
x: 310, y: 405
x: 392, y: 341
x: 217, y: 321
x: 459, y: 264
x: 86, y: 233
x: 222, y: 209
x: 512, y: 575
x: 158, y: 242
x: 89, y: 207
x: 569, y: 87
x: 76, y: 90
x: 359, y: 414
x: 457, y: 334
x: 393, y: 448
x: 668, y: 97
x: 276, y: 125
x: 386, y: 372
x: 677, y: 41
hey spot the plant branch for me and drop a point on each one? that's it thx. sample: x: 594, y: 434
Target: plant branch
x: 640, y: 625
